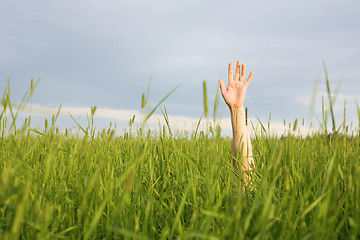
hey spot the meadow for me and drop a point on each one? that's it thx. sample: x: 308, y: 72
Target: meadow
x: 159, y: 184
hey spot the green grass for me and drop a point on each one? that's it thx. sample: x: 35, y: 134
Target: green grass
x: 157, y: 185
x: 54, y: 186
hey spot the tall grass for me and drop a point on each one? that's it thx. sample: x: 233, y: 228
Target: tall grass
x: 159, y: 185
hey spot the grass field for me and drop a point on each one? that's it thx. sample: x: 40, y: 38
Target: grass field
x: 161, y: 185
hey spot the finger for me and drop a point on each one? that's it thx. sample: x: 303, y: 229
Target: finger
x: 249, y: 79
x: 243, y: 72
x: 237, y: 72
x: 231, y: 73
x: 222, y: 86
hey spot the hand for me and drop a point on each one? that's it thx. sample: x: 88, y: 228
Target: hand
x: 234, y: 94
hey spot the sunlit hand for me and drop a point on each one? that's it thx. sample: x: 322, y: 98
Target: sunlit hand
x: 234, y: 94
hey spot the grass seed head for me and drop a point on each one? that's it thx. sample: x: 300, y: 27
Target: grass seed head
x: 143, y: 102
x: 206, y: 109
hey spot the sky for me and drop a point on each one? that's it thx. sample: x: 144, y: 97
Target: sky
x: 104, y: 53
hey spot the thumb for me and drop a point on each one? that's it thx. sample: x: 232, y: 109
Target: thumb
x: 222, y: 86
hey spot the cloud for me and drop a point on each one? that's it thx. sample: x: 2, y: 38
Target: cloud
x: 177, y: 123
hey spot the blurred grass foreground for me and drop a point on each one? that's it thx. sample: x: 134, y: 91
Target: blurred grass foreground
x: 158, y: 185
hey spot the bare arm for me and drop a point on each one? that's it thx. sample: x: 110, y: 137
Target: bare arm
x: 234, y: 96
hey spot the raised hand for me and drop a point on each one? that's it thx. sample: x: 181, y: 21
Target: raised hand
x: 234, y: 94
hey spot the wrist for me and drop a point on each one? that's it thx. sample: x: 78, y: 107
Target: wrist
x: 234, y: 109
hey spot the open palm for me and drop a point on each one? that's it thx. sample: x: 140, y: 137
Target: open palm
x: 234, y: 94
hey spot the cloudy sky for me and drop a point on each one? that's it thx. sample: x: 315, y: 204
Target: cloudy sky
x: 104, y: 52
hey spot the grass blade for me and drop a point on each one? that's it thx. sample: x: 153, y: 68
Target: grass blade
x: 82, y: 129
x: 331, y: 99
x: 157, y: 105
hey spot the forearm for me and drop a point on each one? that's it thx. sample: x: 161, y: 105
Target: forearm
x: 241, y: 145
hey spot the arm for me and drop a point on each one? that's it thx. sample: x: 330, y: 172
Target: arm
x: 241, y: 142
x: 234, y: 96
